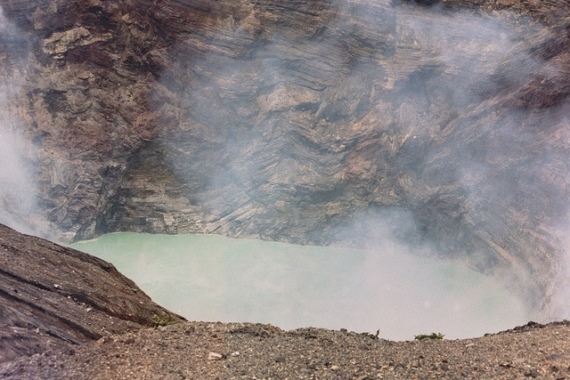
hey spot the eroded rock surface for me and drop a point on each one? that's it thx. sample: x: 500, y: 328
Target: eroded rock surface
x: 52, y: 297
x: 291, y: 120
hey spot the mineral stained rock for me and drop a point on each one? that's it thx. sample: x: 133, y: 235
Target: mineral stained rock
x: 52, y: 297
x: 293, y: 120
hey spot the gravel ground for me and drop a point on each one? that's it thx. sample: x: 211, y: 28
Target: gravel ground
x: 199, y: 350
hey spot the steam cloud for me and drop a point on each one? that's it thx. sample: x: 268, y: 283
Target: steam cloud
x: 17, y: 189
x: 477, y: 57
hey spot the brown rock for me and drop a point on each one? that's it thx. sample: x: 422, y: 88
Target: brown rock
x: 52, y: 297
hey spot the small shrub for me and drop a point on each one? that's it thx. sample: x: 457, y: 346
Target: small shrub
x: 432, y: 336
x: 163, y: 320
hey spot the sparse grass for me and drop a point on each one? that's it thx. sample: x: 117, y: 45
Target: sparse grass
x: 163, y: 320
x: 432, y: 336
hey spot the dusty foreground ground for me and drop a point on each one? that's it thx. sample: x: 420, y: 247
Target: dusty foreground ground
x: 193, y: 350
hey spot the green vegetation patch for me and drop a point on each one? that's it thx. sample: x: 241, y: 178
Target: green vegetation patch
x: 432, y: 336
x: 163, y: 320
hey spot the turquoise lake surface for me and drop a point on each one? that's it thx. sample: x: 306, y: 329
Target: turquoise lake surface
x: 215, y: 278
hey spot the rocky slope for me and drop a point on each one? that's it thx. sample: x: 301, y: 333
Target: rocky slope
x: 252, y: 351
x: 54, y: 298
x: 291, y: 121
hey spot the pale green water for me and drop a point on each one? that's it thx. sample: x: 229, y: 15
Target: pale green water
x: 214, y: 278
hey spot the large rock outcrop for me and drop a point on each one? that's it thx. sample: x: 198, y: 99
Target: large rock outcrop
x: 292, y: 120
x: 52, y: 297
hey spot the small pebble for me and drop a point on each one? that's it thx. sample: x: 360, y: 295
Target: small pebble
x: 214, y: 356
x: 532, y: 373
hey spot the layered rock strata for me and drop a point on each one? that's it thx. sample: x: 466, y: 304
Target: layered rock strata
x: 53, y: 298
x: 294, y: 121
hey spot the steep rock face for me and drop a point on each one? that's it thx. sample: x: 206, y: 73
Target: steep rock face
x: 291, y: 121
x: 54, y: 297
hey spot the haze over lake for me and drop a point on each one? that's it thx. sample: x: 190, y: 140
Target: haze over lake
x: 214, y: 278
